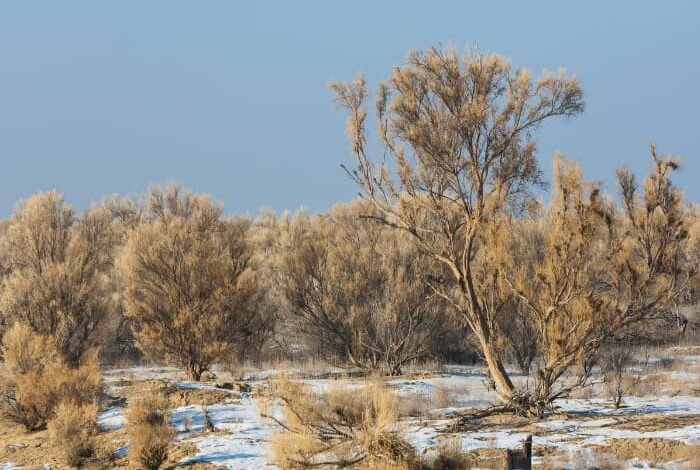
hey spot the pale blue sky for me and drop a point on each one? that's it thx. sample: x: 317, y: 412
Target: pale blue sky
x: 229, y: 98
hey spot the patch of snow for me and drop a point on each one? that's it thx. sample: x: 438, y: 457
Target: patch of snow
x: 424, y: 438
x: 121, y: 451
x: 242, y: 446
x: 111, y: 419
x: 574, y: 424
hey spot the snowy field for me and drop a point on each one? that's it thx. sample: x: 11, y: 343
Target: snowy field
x: 585, y: 431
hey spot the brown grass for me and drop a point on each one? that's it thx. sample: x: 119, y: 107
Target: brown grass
x: 450, y: 456
x: 73, y: 429
x: 653, y: 450
x: 37, y: 380
x: 149, y: 431
x: 344, y: 427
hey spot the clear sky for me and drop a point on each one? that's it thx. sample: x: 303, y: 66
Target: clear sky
x: 229, y: 98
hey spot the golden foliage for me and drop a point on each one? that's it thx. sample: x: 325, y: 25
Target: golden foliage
x: 58, y: 281
x: 359, y: 290
x: 588, y: 271
x: 461, y: 132
x: 188, y: 284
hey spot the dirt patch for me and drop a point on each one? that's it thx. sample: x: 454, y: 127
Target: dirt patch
x: 492, y: 459
x: 34, y: 449
x: 181, y: 450
x: 23, y: 448
x: 179, y: 396
x: 652, y: 450
x: 685, y: 351
x: 656, y: 422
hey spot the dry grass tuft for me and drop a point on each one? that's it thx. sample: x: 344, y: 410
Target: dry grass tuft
x: 342, y: 428
x: 450, y: 456
x: 73, y: 429
x: 149, y: 431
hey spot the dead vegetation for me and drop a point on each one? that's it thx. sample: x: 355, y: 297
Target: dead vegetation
x: 73, y: 429
x: 37, y: 379
x: 342, y: 428
x: 149, y: 431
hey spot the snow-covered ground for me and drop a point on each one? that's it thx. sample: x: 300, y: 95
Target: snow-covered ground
x: 241, y: 439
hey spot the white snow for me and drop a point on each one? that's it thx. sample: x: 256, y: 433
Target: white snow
x: 111, y: 419
x: 241, y: 441
x: 426, y: 437
x: 241, y: 444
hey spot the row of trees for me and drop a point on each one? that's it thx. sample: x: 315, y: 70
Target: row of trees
x: 447, y: 250
x: 192, y: 287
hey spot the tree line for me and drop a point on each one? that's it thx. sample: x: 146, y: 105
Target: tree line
x: 448, y: 252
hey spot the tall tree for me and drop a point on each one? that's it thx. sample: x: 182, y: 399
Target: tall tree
x: 188, y: 284
x: 461, y: 134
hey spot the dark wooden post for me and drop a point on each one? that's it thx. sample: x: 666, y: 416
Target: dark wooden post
x: 521, y: 459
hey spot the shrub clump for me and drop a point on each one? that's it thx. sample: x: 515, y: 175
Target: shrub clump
x: 37, y: 379
x: 340, y: 429
x: 72, y: 429
x: 149, y: 431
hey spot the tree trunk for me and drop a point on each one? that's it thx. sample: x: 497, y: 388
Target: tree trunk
x: 504, y: 386
x: 194, y: 372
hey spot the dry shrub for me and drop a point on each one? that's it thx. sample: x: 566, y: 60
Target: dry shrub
x: 37, y: 378
x: 73, y: 429
x: 444, y: 396
x: 450, y: 456
x: 619, y: 378
x: 349, y: 428
x: 415, y: 406
x: 149, y: 431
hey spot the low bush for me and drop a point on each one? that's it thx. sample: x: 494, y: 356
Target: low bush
x: 450, y: 456
x: 37, y: 379
x: 72, y: 429
x: 149, y: 431
x: 620, y: 378
x: 344, y: 428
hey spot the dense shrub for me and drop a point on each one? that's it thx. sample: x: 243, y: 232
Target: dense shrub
x: 37, y: 379
x: 188, y: 283
x: 73, y: 429
x: 359, y: 291
x: 58, y: 273
x: 149, y: 431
